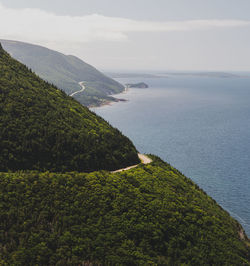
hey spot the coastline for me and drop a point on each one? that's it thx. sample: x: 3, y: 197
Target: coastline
x: 110, y: 102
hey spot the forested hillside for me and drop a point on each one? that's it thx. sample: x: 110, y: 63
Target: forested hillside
x: 52, y: 212
x: 65, y: 71
x: 44, y: 129
x: 150, y: 215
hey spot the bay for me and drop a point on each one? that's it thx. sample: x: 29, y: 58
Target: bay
x: 200, y: 125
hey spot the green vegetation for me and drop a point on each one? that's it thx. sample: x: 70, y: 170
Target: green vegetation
x: 44, y: 129
x: 149, y: 215
x: 94, y: 95
x: 140, y: 85
x: 65, y: 72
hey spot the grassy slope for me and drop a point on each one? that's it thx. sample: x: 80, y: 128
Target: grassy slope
x: 150, y: 215
x: 65, y: 72
x: 42, y: 128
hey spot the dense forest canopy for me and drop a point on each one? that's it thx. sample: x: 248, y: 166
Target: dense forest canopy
x: 41, y: 128
x: 149, y: 215
x: 51, y: 214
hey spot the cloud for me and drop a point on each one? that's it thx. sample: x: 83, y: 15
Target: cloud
x: 38, y: 26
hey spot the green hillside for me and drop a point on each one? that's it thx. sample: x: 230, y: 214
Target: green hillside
x: 65, y: 71
x: 150, y: 215
x: 52, y: 212
x: 44, y: 129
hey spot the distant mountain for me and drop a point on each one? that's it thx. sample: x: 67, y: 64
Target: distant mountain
x: 148, y: 215
x: 205, y: 74
x: 65, y: 71
x: 41, y: 128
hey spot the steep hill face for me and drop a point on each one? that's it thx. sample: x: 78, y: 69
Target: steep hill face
x: 65, y: 71
x: 150, y: 215
x: 44, y: 129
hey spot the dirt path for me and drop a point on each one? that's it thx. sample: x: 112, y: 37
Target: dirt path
x: 82, y: 89
x: 144, y: 159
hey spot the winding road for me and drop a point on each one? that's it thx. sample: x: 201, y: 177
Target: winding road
x: 144, y: 159
x: 81, y: 90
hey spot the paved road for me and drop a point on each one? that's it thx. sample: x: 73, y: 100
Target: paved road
x: 144, y: 159
x: 81, y: 90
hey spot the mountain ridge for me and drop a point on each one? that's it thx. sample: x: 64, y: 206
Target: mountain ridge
x: 44, y: 129
x: 65, y: 71
x: 54, y: 213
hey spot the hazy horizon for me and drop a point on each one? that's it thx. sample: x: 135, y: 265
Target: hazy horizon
x: 137, y: 35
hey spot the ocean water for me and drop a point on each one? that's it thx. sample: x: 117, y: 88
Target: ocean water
x: 200, y: 125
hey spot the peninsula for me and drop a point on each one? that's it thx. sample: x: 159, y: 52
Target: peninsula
x: 140, y: 85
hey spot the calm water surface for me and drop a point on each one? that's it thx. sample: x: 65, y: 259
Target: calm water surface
x: 201, y: 125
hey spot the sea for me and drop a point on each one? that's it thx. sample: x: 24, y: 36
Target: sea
x: 200, y: 124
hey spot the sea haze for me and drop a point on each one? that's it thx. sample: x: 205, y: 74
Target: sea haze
x: 199, y: 124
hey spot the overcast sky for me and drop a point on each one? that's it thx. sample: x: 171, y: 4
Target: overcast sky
x: 142, y: 35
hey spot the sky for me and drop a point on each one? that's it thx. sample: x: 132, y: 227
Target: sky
x: 136, y: 35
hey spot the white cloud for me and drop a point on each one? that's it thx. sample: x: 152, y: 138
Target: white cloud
x: 38, y: 26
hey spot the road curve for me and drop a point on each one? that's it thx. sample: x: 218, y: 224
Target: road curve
x: 82, y: 89
x: 144, y: 159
